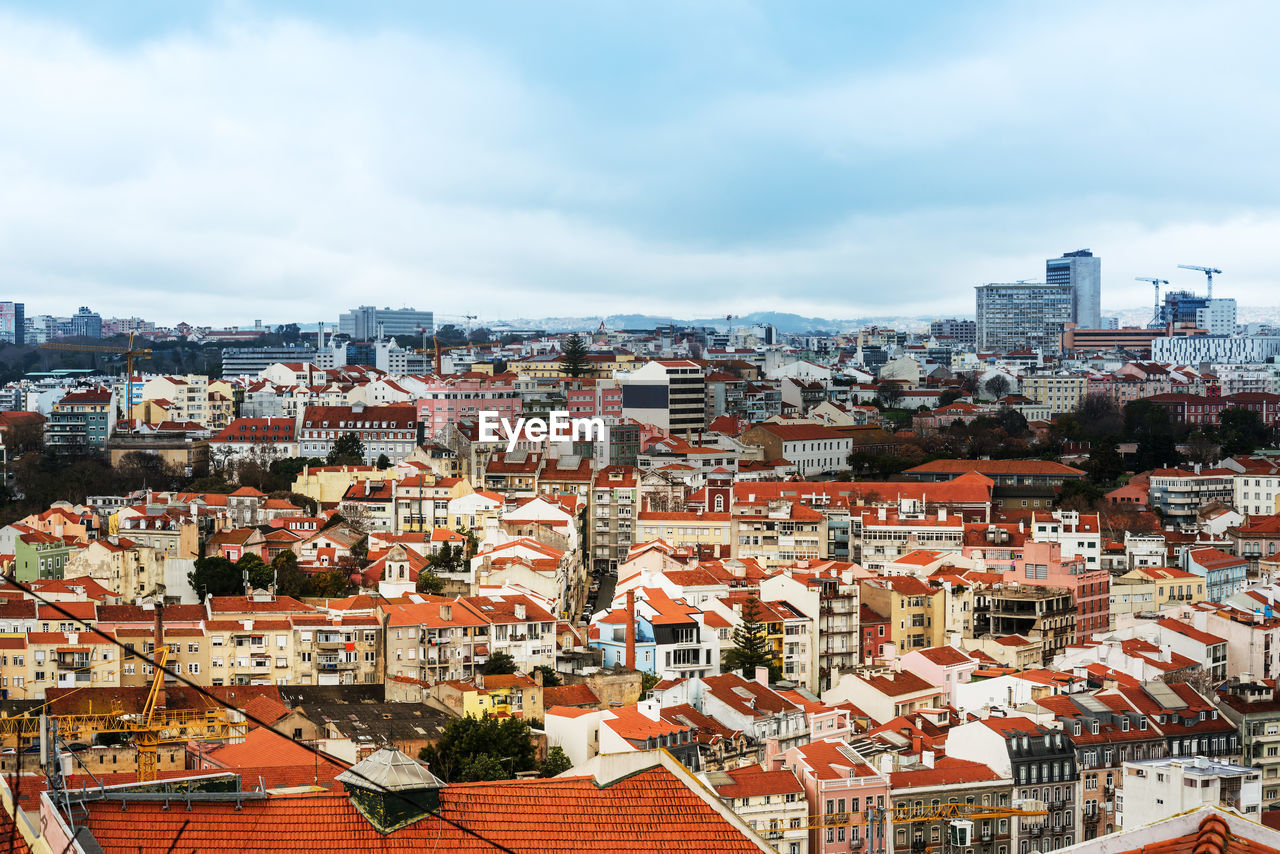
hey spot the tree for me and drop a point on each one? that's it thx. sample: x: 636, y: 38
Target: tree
x: 750, y: 643
x: 451, y: 335
x: 290, y: 580
x: 889, y: 394
x: 449, y: 558
x: 429, y: 582
x: 1149, y: 426
x: 550, y: 679
x: 950, y: 396
x: 500, y: 664
x: 1202, y: 448
x: 1105, y: 463
x: 998, y: 386
x: 1242, y: 431
x: 1098, y: 416
x: 329, y: 584
x: 472, y: 749
x: 383, y: 463
x: 473, y: 542
x: 215, y: 576
x: 573, y: 357
x: 557, y: 762
x: 260, y: 575
x: 347, y: 450
x: 1012, y: 421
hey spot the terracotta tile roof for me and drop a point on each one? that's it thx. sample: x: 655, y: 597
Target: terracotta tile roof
x: 570, y: 695
x: 1189, y: 631
x: 634, y: 725
x: 729, y: 688
x: 264, y: 747
x: 1213, y: 836
x: 947, y: 771
x: 755, y: 780
x: 706, y: 730
x: 900, y: 684
x: 652, y: 810
x: 834, y: 760
x: 945, y: 656
x: 1215, y: 559
x: 997, y: 467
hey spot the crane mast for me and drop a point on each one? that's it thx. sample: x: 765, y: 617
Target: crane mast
x: 1156, y: 319
x: 1208, y: 272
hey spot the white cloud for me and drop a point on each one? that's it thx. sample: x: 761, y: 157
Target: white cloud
x: 285, y: 170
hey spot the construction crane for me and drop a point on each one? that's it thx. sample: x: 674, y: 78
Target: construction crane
x: 1155, y: 318
x: 923, y: 813
x: 147, y: 729
x: 440, y: 350
x: 128, y: 351
x: 1208, y: 272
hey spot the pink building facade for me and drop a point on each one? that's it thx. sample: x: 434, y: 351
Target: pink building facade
x: 449, y: 399
x: 840, y: 786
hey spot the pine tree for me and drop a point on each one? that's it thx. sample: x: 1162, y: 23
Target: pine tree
x: 574, y: 357
x: 751, y: 643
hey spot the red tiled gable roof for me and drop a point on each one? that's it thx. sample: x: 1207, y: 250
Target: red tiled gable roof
x: 1215, y: 559
x: 729, y: 687
x: 755, y: 780
x: 634, y: 725
x: 830, y: 762
x: 946, y: 656
x: 900, y: 684
x: 244, y: 605
x: 649, y: 811
x: 999, y: 467
x: 947, y: 771
x: 569, y: 695
x: 265, y: 747
x: 1189, y: 631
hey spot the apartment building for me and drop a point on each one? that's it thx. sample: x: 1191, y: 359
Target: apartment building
x: 670, y: 395
x: 843, y: 791
x: 393, y: 431
x: 1180, y: 494
x: 1060, y: 392
x: 1017, y: 315
x: 916, y: 611
x: 434, y: 638
x: 82, y: 421
x: 1254, y: 708
x: 1041, y: 761
x: 442, y: 401
x: 611, y: 514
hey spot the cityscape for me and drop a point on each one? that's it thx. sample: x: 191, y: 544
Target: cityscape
x: 726, y: 428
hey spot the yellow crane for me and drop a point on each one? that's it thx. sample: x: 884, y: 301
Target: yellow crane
x: 129, y: 352
x: 914, y: 814
x: 147, y: 729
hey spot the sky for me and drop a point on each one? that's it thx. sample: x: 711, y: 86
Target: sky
x: 225, y: 162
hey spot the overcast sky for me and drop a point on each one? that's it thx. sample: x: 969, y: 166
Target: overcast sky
x: 233, y: 161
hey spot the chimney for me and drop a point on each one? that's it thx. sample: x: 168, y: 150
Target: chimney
x: 446, y: 613
x: 537, y: 677
x: 762, y: 676
x: 521, y: 611
x: 631, y: 629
